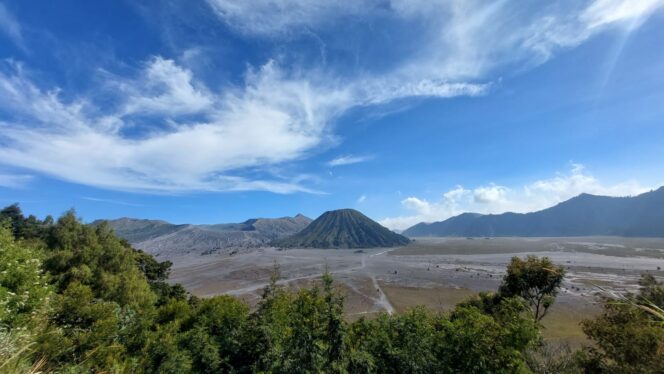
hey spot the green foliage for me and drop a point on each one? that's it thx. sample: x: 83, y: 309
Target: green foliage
x: 552, y: 357
x: 106, y: 307
x: 215, y: 334
x: 269, y: 327
x: 23, y: 287
x: 163, y: 354
x: 22, y: 227
x: 628, y: 337
x: 157, y: 273
x: 537, y: 280
x: 466, y: 341
x: 395, y: 343
x: 16, y: 353
x: 24, y: 299
x: 299, y: 332
x: 652, y: 292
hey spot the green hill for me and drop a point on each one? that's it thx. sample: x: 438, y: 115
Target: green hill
x: 343, y: 228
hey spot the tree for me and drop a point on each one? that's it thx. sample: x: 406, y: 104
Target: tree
x: 22, y: 227
x: 24, y: 289
x: 215, y: 334
x: 157, y: 273
x: 651, y: 293
x: 629, y: 334
x: 403, y: 343
x: 112, y: 310
x: 537, y: 280
x: 24, y: 302
x: 268, y: 327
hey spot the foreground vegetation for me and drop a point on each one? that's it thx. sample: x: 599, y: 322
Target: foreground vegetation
x: 76, y: 298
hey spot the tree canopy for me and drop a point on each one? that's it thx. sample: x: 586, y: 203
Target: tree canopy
x: 76, y: 298
x: 537, y: 280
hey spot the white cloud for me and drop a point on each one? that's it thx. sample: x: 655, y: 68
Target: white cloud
x: 15, y: 180
x: 274, y: 118
x: 551, y: 191
x: 165, y: 88
x: 195, y: 137
x: 603, y: 12
x: 490, y: 194
x: 348, y: 160
x: 493, y: 198
x: 271, y: 120
x: 361, y: 199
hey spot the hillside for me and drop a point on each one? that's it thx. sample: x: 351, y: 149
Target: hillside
x: 167, y: 240
x: 583, y: 215
x: 344, y: 228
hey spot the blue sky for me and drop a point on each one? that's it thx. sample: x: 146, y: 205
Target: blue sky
x: 408, y: 110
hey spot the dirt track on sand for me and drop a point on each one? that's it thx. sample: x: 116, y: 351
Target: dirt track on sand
x: 437, y: 273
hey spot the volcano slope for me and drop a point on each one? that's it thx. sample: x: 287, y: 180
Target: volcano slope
x: 343, y: 228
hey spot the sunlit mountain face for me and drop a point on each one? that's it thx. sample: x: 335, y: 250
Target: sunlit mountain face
x: 410, y: 111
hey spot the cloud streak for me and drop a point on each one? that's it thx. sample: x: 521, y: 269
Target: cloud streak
x: 110, y: 201
x: 348, y: 160
x: 10, y: 26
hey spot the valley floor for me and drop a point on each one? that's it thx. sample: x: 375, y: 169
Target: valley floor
x: 435, y: 272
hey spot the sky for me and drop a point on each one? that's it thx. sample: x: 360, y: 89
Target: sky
x: 209, y: 111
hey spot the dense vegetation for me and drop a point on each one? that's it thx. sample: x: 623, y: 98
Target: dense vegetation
x: 75, y: 298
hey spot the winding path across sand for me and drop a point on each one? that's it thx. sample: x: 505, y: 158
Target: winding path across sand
x: 380, y: 301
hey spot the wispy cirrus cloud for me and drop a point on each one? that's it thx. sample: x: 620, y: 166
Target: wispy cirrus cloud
x: 348, y: 160
x: 458, y: 39
x: 10, y: 26
x: 492, y: 198
x: 267, y: 17
x: 166, y: 130
x: 110, y: 201
x: 274, y: 119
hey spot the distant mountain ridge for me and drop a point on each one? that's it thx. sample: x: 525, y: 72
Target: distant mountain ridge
x: 343, y: 228
x: 583, y: 215
x: 167, y: 240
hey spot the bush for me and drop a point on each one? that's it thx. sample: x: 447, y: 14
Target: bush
x: 629, y: 334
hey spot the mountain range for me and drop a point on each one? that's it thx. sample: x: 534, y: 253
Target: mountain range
x: 168, y: 240
x: 343, y: 228
x: 583, y: 215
